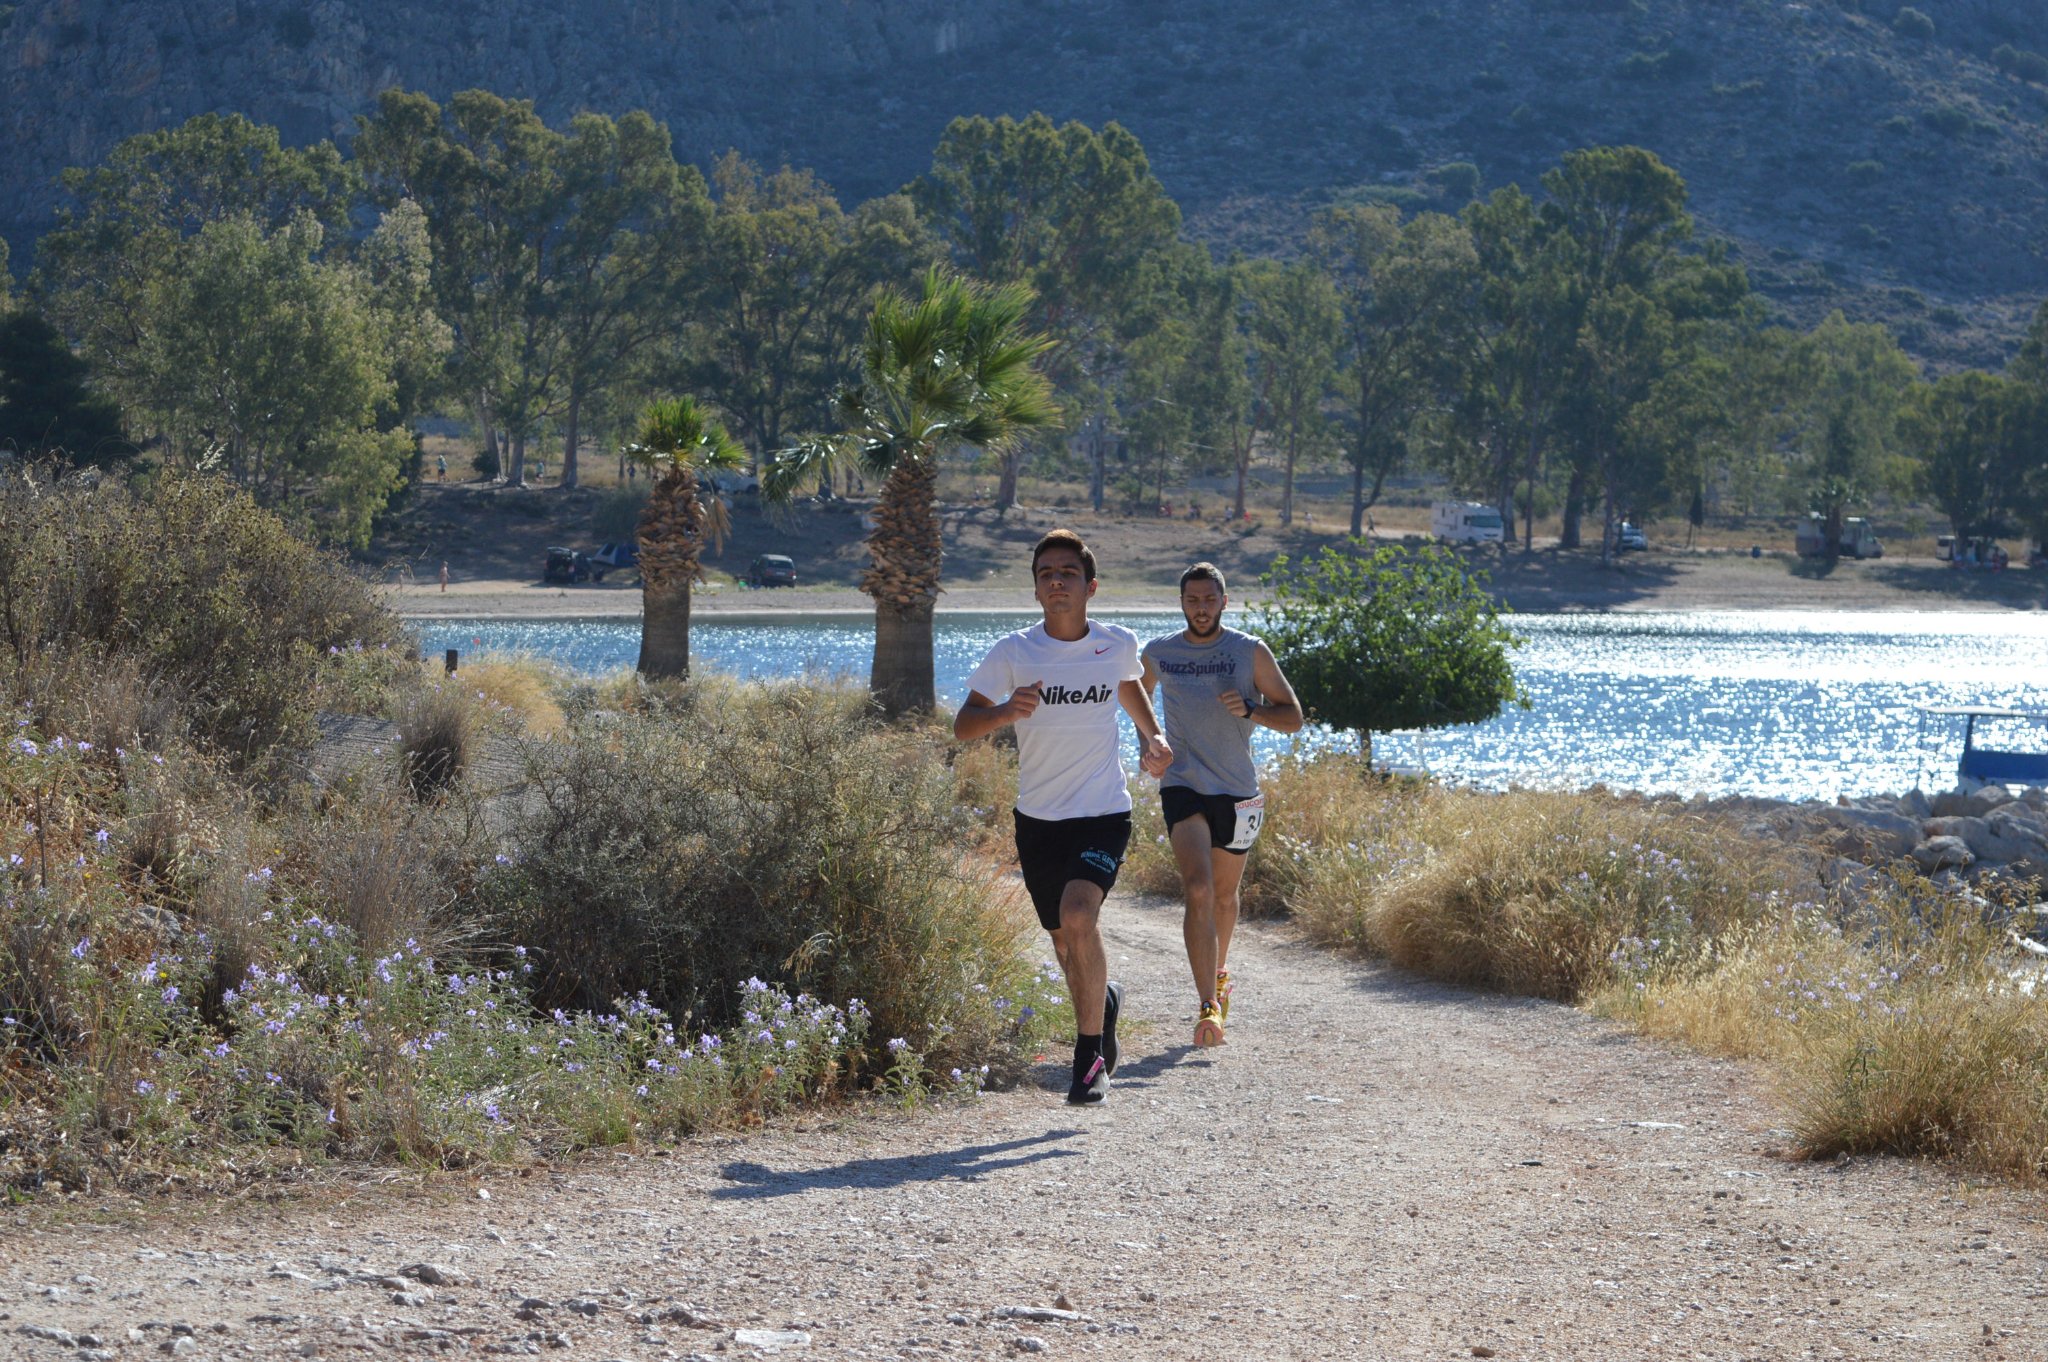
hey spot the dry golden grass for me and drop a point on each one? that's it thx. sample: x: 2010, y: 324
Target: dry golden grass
x: 1894, y: 1026
x: 518, y: 690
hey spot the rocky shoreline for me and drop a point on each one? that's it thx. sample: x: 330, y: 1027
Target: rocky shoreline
x: 1983, y: 838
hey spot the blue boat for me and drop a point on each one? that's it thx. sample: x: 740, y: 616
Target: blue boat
x: 2000, y: 764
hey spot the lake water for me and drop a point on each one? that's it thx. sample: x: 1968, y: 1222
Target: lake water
x: 1791, y: 704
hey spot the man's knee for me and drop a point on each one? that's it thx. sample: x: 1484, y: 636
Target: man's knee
x: 1080, y: 911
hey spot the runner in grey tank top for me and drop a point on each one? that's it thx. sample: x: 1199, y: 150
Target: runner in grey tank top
x: 1215, y: 686
x: 1212, y: 747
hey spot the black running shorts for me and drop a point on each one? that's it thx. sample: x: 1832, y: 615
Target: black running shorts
x: 1054, y: 852
x: 1178, y: 802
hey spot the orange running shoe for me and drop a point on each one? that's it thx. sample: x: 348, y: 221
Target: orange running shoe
x: 1209, y: 1027
x: 1223, y: 995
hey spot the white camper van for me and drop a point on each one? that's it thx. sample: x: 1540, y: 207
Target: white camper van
x: 1466, y: 522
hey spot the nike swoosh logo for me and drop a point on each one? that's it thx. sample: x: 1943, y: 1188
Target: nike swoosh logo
x: 1100, y: 651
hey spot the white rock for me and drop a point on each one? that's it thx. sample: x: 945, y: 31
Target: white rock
x: 1939, y: 853
x: 771, y: 1340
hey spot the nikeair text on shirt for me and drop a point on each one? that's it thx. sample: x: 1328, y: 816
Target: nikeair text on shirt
x: 1071, y: 695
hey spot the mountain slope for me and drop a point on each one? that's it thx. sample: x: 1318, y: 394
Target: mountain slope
x: 1855, y: 162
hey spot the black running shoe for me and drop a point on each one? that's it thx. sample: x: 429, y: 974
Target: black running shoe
x: 1091, y: 1083
x: 1112, y: 1003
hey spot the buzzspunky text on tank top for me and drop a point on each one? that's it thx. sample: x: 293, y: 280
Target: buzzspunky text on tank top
x: 1222, y: 666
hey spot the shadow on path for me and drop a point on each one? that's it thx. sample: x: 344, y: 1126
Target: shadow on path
x: 971, y: 1164
x: 1130, y: 1073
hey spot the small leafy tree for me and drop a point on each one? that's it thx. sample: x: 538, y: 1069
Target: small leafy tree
x: 1396, y: 639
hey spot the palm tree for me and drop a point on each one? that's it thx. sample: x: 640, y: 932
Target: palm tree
x: 952, y: 368
x: 678, y: 440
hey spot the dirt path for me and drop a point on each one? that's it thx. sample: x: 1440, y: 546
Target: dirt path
x: 1375, y: 1167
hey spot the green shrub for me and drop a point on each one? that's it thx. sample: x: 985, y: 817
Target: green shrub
x: 1865, y: 172
x: 1911, y: 23
x: 2019, y: 61
x: 725, y: 832
x: 1949, y: 120
x: 201, y: 598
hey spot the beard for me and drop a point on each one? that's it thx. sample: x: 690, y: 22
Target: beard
x: 1195, y: 630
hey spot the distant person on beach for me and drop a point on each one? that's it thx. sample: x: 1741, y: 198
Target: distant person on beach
x: 1062, y: 682
x: 441, y: 468
x: 1215, y: 686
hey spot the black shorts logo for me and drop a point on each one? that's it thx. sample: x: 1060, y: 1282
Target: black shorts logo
x: 1100, y: 859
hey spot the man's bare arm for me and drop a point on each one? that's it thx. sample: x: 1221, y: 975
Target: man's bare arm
x: 1158, y: 754
x: 980, y: 716
x: 1281, y: 710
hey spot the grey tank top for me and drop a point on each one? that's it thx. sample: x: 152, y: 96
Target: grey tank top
x: 1212, y: 748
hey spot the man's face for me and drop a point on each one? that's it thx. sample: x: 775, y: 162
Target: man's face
x: 1060, y: 581
x: 1201, y: 604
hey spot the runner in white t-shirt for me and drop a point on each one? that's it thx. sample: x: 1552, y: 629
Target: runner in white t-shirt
x: 1063, y: 681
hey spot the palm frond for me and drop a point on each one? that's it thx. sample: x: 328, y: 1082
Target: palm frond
x: 678, y: 432
x: 801, y: 467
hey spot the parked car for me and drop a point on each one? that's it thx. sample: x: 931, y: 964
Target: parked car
x: 771, y: 569
x: 566, y: 565
x: 1630, y: 537
x: 620, y: 556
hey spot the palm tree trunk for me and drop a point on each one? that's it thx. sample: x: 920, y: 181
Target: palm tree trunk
x: 670, y: 536
x: 665, y: 631
x: 906, y: 552
x: 901, y: 680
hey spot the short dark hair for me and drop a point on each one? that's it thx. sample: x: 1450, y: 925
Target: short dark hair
x: 1204, y: 572
x: 1064, y: 539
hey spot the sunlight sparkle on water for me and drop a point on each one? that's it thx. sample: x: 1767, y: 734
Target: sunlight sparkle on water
x: 1766, y: 703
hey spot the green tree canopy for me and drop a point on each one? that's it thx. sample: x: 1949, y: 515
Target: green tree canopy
x: 1389, y: 639
x: 1957, y: 426
x: 47, y: 406
x: 789, y: 281
x: 262, y: 359
x: 1071, y: 212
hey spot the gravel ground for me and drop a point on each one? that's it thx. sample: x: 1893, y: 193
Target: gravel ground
x: 1375, y: 1167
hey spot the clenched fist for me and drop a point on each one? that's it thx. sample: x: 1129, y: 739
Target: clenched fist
x: 1235, y: 702
x: 1024, y: 700
x: 1157, y: 757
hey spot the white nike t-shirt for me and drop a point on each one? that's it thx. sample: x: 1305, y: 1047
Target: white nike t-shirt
x: 1069, y: 752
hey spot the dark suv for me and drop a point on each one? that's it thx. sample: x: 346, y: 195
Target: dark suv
x: 567, y: 565
x: 772, y: 569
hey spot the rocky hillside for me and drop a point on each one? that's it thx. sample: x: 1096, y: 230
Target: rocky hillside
x: 1887, y: 161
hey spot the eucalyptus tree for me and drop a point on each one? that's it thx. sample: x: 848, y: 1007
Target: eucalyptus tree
x: 1845, y: 423
x: 1959, y: 425
x: 1399, y: 287
x: 957, y: 367
x: 1296, y: 325
x: 678, y: 441
x: 130, y: 220
x: 1067, y: 210
x: 631, y: 261
x: 257, y: 356
x: 789, y: 279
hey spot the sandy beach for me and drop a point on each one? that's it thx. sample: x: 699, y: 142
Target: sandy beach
x: 1543, y: 581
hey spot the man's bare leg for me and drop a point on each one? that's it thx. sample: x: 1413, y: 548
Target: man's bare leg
x: 1078, y: 944
x: 1192, y: 856
x: 1226, y: 873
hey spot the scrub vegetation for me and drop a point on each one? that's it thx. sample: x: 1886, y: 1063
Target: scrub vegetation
x: 1904, y: 1022
x: 222, y: 955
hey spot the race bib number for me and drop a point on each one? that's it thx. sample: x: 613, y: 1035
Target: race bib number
x: 1251, y: 813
